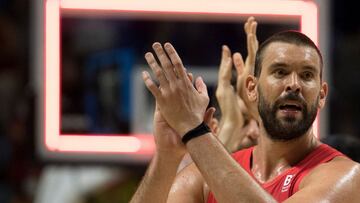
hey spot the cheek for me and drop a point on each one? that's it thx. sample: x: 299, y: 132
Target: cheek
x: 271, y: 89
x: 311, y: 93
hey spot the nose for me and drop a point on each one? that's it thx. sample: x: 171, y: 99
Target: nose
x: 253, y: 129
x: 293, y: 83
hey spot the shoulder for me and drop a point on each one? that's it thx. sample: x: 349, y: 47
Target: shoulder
x: 330, y: 162
x: 340, y: 174
x: 337, y: 168
x: 334, y: 181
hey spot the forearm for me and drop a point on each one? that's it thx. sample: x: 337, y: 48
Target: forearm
x: 158, y: 179
x: 227, y: 180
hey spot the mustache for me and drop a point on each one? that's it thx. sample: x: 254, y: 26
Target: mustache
x: 291, y: 96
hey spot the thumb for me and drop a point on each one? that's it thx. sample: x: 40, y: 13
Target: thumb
x: 209, y: 114
x: 157, y: 106
x: 239, y: 63
x: 190, y: 76
x: 201, y: 86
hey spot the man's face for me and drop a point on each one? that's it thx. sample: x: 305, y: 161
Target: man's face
x: 288, y: 90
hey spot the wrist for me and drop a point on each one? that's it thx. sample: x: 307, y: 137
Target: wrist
x: 186, y: 127
x: 171, y: 156
x: 198, y: 131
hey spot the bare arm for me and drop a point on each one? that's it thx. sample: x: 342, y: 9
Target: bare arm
x: 183, y: 107
x: 234, y: 109
x: 158, y: 179
x: 336, y: 181
x: 227, y: 180
x: 161, y: 173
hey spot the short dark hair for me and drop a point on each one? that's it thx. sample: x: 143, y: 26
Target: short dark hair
x: 291, y: 37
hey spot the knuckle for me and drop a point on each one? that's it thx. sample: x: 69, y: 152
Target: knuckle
x: 151, y: 85
x: 177, y: 63
x: 165, y: 63
x: 158, y: 72
x: 152, y: 63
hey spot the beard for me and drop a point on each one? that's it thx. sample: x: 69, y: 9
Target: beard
x: 288, y: 128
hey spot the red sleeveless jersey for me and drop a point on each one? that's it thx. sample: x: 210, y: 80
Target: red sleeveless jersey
x: 287, y: 183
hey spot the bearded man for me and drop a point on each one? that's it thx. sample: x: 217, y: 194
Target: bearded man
x: 288, y: 164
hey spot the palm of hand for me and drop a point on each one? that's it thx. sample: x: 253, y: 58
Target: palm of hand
x: 243, y: 70
x: 225, y: 93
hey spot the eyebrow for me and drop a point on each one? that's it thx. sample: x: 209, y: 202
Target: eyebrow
x: 277, y: 65
x: 311, y: 68
x: 281, y: 64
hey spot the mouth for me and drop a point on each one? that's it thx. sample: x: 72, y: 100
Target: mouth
x: 290, y: 106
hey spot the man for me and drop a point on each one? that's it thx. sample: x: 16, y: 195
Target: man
x: 288, y: 164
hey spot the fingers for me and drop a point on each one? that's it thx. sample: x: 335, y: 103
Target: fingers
x: 252, y: 46
x: 164, y: 61
x: 171, y: 65
x: 240, y: 69
x: 157, y: 106
x: 239, y: 63
x: 214, y: 126
x: 157, y: 70
x: 150, y: 85
x: 252, y: 43
x: 201, y: 86
x: 190, y: 76
x: 170, y: 62
x: 248, y: 24
x: 225, y: 65
x: 253, y: 27
x: 176, y: 61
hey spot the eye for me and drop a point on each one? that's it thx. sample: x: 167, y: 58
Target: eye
x: 307, y: 75
x: 278, y: 73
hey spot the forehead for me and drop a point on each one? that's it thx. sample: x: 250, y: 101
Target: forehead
x: 290, y: 54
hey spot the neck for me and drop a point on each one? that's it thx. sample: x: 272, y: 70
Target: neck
x: 270, y: 158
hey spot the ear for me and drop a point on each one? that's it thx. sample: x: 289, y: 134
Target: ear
x: 323, y: 94
x: 251, y: 90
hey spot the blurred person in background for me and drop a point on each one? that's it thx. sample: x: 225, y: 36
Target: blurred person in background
x: 238, y: 128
